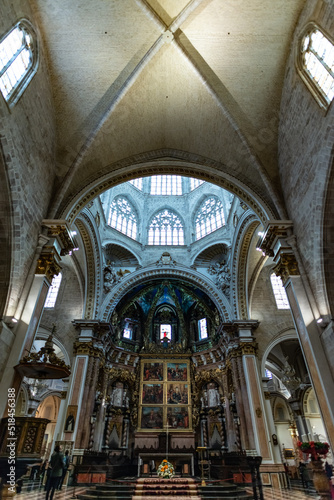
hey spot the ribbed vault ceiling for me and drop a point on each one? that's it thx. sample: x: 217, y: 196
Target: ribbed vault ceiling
x: 135, y: 76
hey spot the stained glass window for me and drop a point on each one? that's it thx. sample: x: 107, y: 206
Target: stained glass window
x: 122, y: 217
x: 318, y: 64
x: 210, y: 217
x: 203, y: 330
x: 166, y: 229
x: 18, y: 61
x: 166, y: 185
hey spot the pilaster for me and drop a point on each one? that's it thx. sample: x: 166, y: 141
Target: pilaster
x: 278, y: 242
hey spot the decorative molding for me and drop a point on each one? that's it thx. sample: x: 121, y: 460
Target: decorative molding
x: 181, y: 272
x: 48, y: 264
x: 287, y: 266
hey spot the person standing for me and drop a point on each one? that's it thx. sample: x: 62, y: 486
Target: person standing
x: 65, y: 469
x: 57, y: 466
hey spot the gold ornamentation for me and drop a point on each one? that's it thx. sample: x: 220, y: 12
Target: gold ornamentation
x: 47, y: 264
x: 286, y: 267
x: 258, y: 412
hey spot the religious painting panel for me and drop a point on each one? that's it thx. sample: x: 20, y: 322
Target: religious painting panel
x: 152, y: 417
x: 177, y: 393
x: 152, y: 371
x: 178, y: 418
x: 177, y: 372
x: 152, y: 394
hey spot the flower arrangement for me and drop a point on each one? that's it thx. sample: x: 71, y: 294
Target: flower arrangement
x: 165, y: 470
x: 314, y: 448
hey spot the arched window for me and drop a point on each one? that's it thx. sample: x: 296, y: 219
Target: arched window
x: 53, y: 292
x: 166, y: 229
x: 279, y: 292
x: 166, y: 184
x: 210, y: 217
x: 122, y: 217
x: 316, y: 64
x: 18, y: 60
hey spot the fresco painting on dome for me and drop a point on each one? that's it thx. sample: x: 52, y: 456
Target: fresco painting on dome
x: 177, y: 394
x: 178, y: 418
x: 151, y: 417
x: 177, y: 371
x: 152, y: 394
x: 153, y: 371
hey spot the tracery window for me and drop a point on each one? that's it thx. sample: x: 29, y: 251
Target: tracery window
x: 316, y: 64
x: 166, y: 229
x: 138, y: 183
x: 194, y: 183
x: 166, y: 185
x: 210, y: 217
x: 279, y: 292
x: 18, y: 61
x: 53, y: 292
x: 122, y: 217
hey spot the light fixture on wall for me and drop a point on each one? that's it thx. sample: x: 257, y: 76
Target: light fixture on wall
x: 43, y: 364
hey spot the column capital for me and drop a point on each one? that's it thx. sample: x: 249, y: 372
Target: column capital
x: 48, y: 264
x: 287, y: 266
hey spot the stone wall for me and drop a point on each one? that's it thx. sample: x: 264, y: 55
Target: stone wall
x: 306, y: 138
x: 27, y: 136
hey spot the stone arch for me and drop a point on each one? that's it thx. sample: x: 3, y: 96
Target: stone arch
x: 247, y: 226
x: 281, y: 337
x: 141, y: 166
x: 140, y: 276
x: 90, y: 237
x: 328, y: 239
x: 5, y: 236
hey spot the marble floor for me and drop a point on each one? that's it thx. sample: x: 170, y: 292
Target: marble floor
x: 70, y: 493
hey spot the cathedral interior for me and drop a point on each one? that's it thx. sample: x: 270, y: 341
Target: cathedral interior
x: 167, y: 230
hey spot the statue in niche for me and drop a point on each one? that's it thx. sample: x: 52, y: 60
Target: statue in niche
x: 222, y: 275
x: 213, y: 395
x: 116, y: 397
x: 109, y: 276
x: 125, y: 401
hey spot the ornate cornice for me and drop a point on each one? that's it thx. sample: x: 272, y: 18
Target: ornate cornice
x: 274, y: 232
x: 59, y: 230
x: 87, y: 349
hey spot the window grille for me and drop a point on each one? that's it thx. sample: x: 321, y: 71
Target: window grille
x: 138, y: 183
x: 279, y: 292
x: 210, y: 217
x: 122, y: 217
x: 166, y: 185
x: 53, y: 292
x: 316, y: 64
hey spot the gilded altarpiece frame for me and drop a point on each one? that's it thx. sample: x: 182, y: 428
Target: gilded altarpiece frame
x: 165, y: 396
